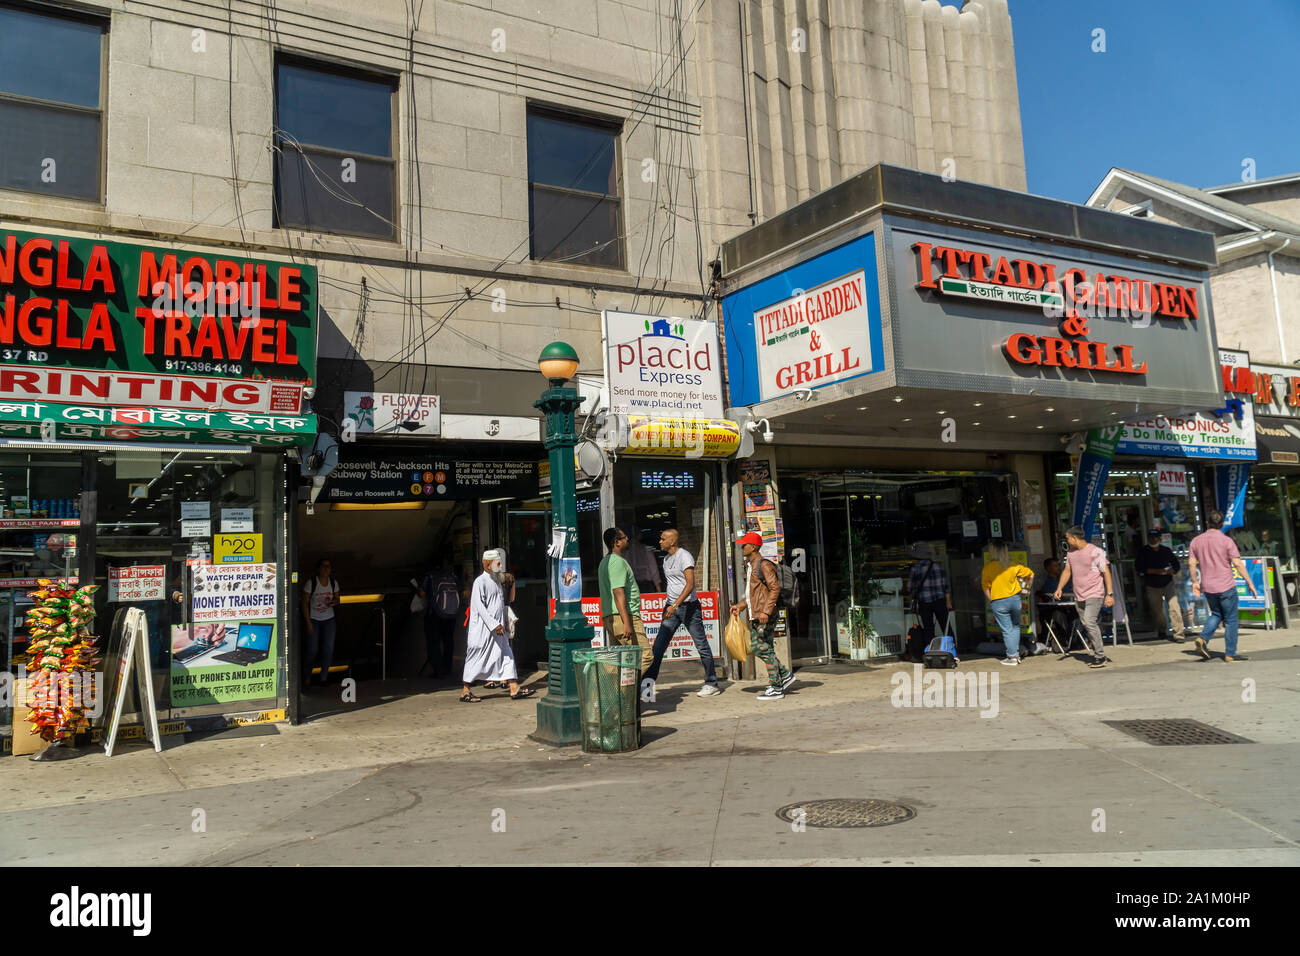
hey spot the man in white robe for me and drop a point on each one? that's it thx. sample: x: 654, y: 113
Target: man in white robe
x: 487, y: 644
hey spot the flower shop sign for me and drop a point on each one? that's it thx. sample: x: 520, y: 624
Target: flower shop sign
x: 393, y: 413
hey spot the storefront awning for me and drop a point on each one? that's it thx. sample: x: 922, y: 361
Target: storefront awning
x: 1277, y: 442
x: 49, y: 422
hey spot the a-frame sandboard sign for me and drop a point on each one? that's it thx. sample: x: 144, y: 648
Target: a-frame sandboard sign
x: 134, y: 657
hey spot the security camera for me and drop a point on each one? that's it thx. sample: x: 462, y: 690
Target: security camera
x: 802, y: 395
x: 309, y: 393
x: 752, y: 428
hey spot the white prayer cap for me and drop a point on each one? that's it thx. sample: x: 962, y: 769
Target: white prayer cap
x: 490, y: 554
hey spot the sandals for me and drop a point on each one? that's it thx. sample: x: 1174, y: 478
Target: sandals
x: 523, y: 692
x: 494, y: 684
x: 471, y: 699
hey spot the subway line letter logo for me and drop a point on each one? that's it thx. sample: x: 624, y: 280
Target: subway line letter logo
x: 815, y: 337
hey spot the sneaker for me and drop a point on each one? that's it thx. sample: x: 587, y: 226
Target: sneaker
x: 1233, y: 660
x: 647, y: 691
x: 1200, y: 648
x: 1098, y: 661
x: 1010, y: 661
x: 772, y: 693
x: 789, y: 679
x: 709, y: 690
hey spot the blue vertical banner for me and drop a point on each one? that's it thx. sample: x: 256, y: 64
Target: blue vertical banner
x: 1094, y: 466
x: 1230, y: 492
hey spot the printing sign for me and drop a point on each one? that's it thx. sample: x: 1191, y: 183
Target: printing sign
x: 662, y: 367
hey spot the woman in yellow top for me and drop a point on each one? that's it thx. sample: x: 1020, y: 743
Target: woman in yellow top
x: 1002, y: 581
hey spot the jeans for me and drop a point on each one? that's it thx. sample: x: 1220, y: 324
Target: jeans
x: 1223, y: 607
x: 1006, y: 611
x: 439, y: 641
x: 320, y: 638
x: 692, y: 616
x: 1089, y: 609
x: 760, y: 645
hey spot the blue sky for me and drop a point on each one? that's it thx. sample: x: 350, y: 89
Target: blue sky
x: 1185, y: 90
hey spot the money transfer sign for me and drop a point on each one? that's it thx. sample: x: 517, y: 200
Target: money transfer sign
x: 662, y: 367
x: 139, y: 583
x: 232, y: 592
x: 1202, y: 435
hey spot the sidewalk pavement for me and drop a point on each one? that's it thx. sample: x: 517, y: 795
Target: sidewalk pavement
x: 415, y: 779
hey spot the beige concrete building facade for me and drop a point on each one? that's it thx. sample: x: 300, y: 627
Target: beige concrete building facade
x: 724, y: 116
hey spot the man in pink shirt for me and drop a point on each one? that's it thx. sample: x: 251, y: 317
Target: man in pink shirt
x: 1214, y: 555
x: 1086, y: 566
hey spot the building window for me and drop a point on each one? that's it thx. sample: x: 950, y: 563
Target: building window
x: 51, y: 108
x: 574, y: 210
x: 334, y: 168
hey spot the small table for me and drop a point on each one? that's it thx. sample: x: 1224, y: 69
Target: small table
x: 1073, y: 612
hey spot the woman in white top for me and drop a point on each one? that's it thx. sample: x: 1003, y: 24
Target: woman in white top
x: 320, y: 596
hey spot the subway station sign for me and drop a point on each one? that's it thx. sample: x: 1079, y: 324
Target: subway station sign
x: 87, y: 321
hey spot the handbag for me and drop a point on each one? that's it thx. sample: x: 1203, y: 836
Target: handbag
x: 511, y: 620
x: 737, y: 638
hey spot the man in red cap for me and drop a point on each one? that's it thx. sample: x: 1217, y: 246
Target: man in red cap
x: 762, y: 591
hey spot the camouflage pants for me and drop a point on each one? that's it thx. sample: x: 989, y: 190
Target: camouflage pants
x: 760, y: 645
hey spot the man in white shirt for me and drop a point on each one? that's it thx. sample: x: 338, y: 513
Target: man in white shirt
x: 682, y: 607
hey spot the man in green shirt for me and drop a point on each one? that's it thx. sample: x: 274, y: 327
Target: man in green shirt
x: 620, y: 603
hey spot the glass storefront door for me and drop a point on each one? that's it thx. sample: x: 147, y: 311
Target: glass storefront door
x: 804, y: 547
x: 855, y: 533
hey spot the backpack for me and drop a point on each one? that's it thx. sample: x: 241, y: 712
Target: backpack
x: 446, y: 598
x: 311, y: 591
x: 791, y: 594
x: 780, y: 570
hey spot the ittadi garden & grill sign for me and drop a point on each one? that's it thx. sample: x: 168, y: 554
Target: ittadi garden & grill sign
x: 91, y: 322
x: 1071, y: 294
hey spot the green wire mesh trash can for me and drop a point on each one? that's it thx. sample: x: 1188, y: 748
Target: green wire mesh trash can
x: 608, y: 681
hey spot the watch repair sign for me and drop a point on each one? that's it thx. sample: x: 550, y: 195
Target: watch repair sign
x: 87, y: 321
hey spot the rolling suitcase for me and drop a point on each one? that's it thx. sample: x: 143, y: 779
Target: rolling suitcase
x: 942, y: 651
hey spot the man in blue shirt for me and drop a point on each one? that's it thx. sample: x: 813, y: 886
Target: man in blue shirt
x: 929, y: 589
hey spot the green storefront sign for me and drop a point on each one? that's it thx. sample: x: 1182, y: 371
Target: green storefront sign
x: 73, y: 303
x: 47, y: 421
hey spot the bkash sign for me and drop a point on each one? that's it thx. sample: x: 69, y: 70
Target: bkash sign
x: 661, y: 367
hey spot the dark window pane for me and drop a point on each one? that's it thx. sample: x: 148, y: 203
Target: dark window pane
x: 334, y: 111
x: 575, y: 229
x: 310, y: 194
x: 571, y: 154
x: 34, y: 134
x: 49, y: 58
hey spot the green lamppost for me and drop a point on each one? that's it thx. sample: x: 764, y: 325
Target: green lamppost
x: 558, y: 719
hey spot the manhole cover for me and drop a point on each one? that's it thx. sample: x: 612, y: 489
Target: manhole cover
x: 1176, y: 732
x: 846, y: 813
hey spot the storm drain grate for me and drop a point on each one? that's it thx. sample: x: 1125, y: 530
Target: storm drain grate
x: 839, y: 813
x: 1176, y: 732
